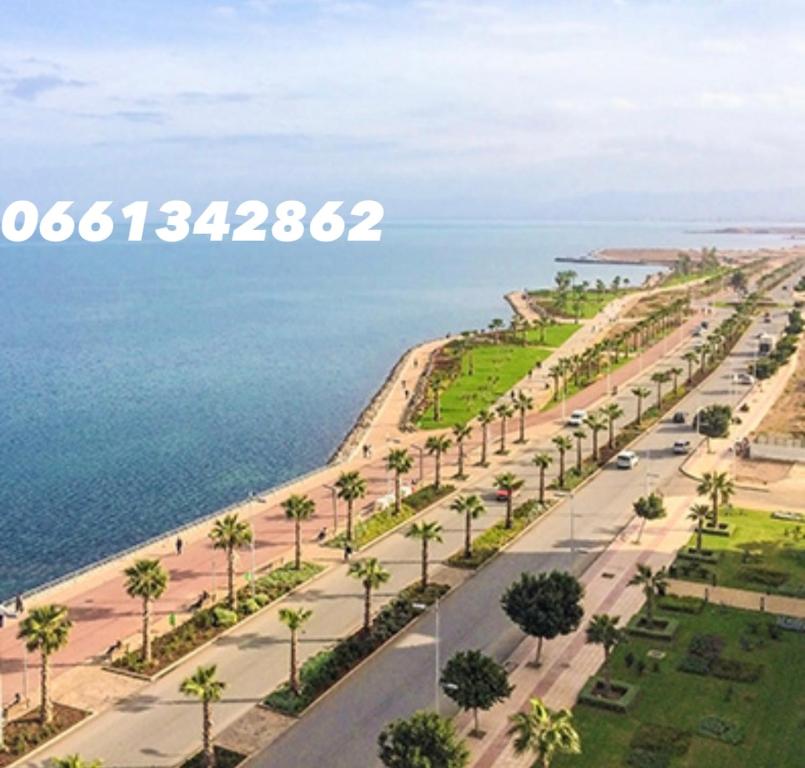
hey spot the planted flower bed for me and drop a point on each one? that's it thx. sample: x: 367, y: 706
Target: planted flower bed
x: 497, y: 536
x: 327, y: 667
x: 26, y: 733
x: 379, y: 523
x: 207, y: 623
x: 618, y: 696
x: 657, y: 628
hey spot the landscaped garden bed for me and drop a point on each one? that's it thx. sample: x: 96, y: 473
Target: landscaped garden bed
x: 207, y: 623
x: 722, y: 529
x: 682, y: 720
x: 494, y: 538
x: 224, y: 758
x: 382, y: 522
x: 617, y: 696
x: 657, y: 628
x: 701, y: 556
x: 327, y: 667
x: 26, y: 733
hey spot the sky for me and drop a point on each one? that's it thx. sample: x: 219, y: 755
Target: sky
x: 437, y: 108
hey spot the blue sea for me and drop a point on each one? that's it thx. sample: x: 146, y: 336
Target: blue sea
x: 145, y: 385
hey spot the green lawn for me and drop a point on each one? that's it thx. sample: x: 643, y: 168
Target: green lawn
x: 674, y: 279
x: 497, y: 368
x: 590, y: 306
x: 760, y: 552
x: 771, y: 711
x: 554, y: 336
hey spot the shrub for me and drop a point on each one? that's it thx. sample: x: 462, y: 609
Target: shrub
x: 758, y: 574
x: 646, y: 758
x: 661, y: 738
x: 735, y: 670
x: 677, y: 604
x: 706, y: 646
x: 223, y: 617
x: 715, y: 727
x: 695, y: 665
x: 714, y: 420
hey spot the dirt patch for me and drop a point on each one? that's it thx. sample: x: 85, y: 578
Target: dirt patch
x: 787, y: 417
x: 760, y: 472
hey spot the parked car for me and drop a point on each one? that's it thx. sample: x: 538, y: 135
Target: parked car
x: 679, y: 417
x: 626, y: 460
x: 384, y: 502
x: 501, y: 494
x: 743, y: 378
x: 577, y: 418
x: 681, y: 446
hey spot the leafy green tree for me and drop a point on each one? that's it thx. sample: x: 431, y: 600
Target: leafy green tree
x: 400, y: 462
x: 700, y: 514
x: 372, y: 575
x: 542, y: 461
x: 563, y: 444
x: 612, y: 412
x: 423, y: 740
x: 147, y: 580
x: 596, y: 422
x: 640, y: 393
x: 437, y: 386
x: 509, y: 483
x: 294, y: 619
x: 471, y: 507
x: 475, y: 682
x: 351, y: 487
x: 544, y: 605
x: 207, y: 688
x: 426, y: 532
x: 544, y: 734
x: 437, y: 446
x: 504, y: 412
x: 45, y: 629
x: 653, y: 583
x: 649, y: 507
x: 485, y: 418
x: 719, y: 487
x: 713, y: 420
x: 523, y: 402
x: 461, y: 432
x: 230, y: 533
x: 603, y: 630
x: 298, y: 508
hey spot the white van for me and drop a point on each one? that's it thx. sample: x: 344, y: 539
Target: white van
x: 577, y: 418
x: 626, y: 460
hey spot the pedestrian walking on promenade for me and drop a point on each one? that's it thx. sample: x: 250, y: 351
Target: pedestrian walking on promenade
x: 347, y: 551
x: 19, y: 606
x: 179, y: 545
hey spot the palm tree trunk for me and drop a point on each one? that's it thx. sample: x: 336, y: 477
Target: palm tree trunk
x: 230, y: 576
x: 294, y: 679
x: 542, y: 485
x: 147, y: 630
x: 461, y: 459
x: 438, y: 480
x: 484, y: 441
x: 699, y: 532
x: 206, y: 735
x: 424, y: 563
x: 578, y: 455
x: 539, y: 651
x: 349, y: 519
x: 509, y: 510
x: 639, y: 409
x: 45, y: 708
x: 561, y: 469
x: 476, y: 730
x: 503, y: 435
x: 298, y: 544
x: 467, y: 535
x: 611, y: 433
x: 397, y: 493
x: 367, y: 607
x: 595, y: 446
x: 715, y: 508
x: 522, y: 426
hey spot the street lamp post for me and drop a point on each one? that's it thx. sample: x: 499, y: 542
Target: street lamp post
x: 421, y: 452
x: 334, y: 496
x: 254, y: 570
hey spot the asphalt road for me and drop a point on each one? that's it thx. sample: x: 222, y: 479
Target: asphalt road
x: 159, y: 727
x: 341, y: 732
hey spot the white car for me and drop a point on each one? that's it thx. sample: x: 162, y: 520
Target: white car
x: 743, y: 378
x: 384, y: 502
x: 577, y: 418
x: 681, y: 447
x: 626, y: 460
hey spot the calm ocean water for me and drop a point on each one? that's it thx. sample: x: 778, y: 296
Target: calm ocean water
x: 145, y: 385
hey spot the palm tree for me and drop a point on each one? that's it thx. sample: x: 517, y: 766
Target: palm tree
x: 542, y: 461
x: 45, y: 629
x: 205, y: 686
x: 719, y: 487
x: 612, y: 412
x: 640, y: 393
x: 505, y: 412
x: 690, y: 357
x: 653, y: 584
x: 400, y: 462
x: 148, y: 580
x: 524, y: 403
x: 351, y: 487
x: 509, y: 483
x: 230, y: 533
x: 472, y: 508
x: 555, y: 372
x: 73, y: 761
x: 579, y: 434
x: 298, y: 507
x: 425, y: 532
x: 596, y: 422
x: 435, y: 446
x: 676, y: 372
x: 563, y: 445
x: 461, y: 432
x: 699, y: 513
x: 371, y: 574
x: 603, y: 630
x: 437, y: 386
x: 544, y: 734
x: 485, y: 418
x: 294, y: 619
x: 660, y: 378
